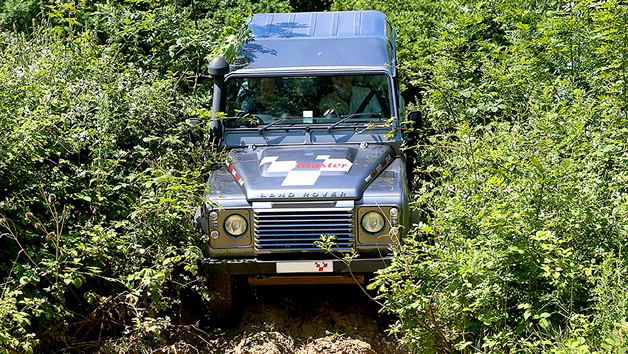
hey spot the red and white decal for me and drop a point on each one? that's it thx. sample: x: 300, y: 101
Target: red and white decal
x: 321, y: 266
x: 235, y: 174
x: 305, y: 173
x: 379, y: 168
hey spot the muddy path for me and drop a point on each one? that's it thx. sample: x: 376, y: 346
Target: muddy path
x: 303, y: 319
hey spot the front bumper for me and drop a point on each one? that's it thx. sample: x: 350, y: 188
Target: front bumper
x: 254, y: 266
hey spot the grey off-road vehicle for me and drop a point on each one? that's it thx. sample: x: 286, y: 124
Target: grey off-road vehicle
x: 310, y: 116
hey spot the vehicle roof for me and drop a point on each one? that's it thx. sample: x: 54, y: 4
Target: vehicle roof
x: 321, y: 40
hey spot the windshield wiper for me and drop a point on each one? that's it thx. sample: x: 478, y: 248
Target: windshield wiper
x: 273, y: 123
x: 350, y: 116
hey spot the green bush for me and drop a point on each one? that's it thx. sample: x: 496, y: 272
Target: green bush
x: 95, y: 99
x: 98, y: 184
x: 523, y: 189
x: 106, y: 139
x: 18, y: 14
x: 105, y: 134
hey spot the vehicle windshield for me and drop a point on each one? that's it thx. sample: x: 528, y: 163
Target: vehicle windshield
x: 326, y: 100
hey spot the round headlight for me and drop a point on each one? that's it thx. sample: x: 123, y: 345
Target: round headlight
x: 235, y: 225
x: 373, y: 222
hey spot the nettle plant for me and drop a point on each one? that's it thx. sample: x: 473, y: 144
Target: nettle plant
x: 50, y: 270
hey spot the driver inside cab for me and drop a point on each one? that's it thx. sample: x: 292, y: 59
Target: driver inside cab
x: 348, y: 99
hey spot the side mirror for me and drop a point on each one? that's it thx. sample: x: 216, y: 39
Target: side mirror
x: 416, y: 118
x: 195, y: 133
x: 416, y: 124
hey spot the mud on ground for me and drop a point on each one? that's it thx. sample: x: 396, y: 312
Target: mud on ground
x: 305, y: 319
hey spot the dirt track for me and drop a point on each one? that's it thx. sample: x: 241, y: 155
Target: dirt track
x: 306, y: 319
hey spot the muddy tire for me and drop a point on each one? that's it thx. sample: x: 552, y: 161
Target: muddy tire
x: 223, y: 288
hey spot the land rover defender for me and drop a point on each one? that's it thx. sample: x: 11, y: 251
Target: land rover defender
x: 309, y: 113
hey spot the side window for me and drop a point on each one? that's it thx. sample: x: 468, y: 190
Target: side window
x: 390, y: 36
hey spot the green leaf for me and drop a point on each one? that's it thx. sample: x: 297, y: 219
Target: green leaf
x: 543, y: 323
x: 77, y: 282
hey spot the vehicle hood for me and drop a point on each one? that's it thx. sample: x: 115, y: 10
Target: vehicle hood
x: 307, y: 172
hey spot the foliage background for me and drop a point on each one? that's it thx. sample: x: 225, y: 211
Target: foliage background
x: 97, y: 180
x: 521, y: 180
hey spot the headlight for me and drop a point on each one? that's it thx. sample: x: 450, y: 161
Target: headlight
x: 235, y: 225
x: 373, y: 222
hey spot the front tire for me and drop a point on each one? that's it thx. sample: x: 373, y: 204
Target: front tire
x: 223, y: 288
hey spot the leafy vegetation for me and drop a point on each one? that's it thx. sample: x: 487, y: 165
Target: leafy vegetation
x: 521, y: 180
x: 97, y: 180
x: 523, y: 183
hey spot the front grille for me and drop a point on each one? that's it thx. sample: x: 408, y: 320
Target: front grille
x: 289, y: 231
